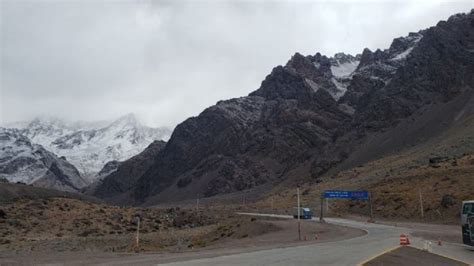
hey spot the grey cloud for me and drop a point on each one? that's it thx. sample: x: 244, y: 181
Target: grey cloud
x: 166, y: 61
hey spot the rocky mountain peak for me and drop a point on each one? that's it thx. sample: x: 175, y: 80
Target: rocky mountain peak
x: 403, y: 43
x: 341, y: 58
x: 369, y: 58
x: 285, y: 83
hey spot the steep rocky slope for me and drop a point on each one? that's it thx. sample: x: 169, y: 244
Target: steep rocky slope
x: 23, y: 161
x: 315, y: 113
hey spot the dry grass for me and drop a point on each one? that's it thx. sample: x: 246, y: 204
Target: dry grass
x: 63, y: 224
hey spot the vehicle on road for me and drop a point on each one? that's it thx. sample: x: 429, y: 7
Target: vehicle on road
x: 305, y: 213
x: 467, y: 222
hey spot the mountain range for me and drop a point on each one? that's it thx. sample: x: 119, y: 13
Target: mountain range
x: 310, y: 116
x: 93, y: 149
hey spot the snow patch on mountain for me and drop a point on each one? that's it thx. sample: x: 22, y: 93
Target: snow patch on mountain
x: 407, y: 44
x: 344, y: 69
x: 402, y: 55
x: 343, y: 65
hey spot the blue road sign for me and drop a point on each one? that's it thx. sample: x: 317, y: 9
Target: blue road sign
x: 346, y: 194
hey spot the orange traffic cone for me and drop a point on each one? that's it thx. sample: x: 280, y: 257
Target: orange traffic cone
x: 404, y: 240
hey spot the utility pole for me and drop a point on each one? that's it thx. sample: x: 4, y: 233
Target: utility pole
x: 299, y: 224
x: 327, y: 205
x: 421, y: 205
x: 138, y: 234
x: 370, y: 207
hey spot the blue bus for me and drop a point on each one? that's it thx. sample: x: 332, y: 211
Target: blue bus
x: 305, y: 213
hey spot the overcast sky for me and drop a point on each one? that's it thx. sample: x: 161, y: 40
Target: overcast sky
x: 166, y: 61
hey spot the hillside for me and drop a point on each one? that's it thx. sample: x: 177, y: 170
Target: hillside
x: 10, y: 193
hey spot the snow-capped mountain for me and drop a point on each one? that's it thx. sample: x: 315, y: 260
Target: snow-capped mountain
x: 23, y: 161
x: 90, y: 146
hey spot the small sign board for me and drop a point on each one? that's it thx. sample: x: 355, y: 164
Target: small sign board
x: 346, y: 194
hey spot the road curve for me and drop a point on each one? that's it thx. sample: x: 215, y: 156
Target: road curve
x: 379, y: 239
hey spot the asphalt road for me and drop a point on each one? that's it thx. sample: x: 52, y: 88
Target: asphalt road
x: 379, y: 239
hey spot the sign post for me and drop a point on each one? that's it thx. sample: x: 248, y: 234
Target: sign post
x: 370, y: 206
x: 138, y: 234
x: 321, y: 218
x: 299, y: 225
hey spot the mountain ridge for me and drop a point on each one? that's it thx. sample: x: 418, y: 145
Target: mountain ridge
x: 90, y: 145
x: 297, y: 126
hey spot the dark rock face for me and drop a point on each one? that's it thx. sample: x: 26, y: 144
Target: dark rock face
x: 295, y: 121
x: 242, y: 143
x: 108, y: 169
x: 124, y: 175
x: 439, y: 68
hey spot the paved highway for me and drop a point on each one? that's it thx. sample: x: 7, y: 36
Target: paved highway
x: 379, y: 239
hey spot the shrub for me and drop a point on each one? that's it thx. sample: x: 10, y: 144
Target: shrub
x: 447, y: 201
